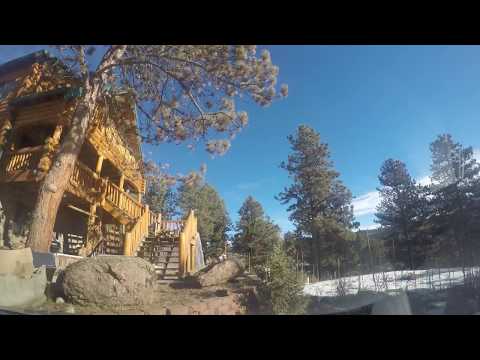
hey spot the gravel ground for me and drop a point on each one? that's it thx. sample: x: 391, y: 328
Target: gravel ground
x: 168, y: 295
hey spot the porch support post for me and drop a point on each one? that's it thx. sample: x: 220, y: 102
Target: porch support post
x: 121, y: 183
x: 57, y: 133
x: 98, y: 168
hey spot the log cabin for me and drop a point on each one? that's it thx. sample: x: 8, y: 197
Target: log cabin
x: 102, y: 212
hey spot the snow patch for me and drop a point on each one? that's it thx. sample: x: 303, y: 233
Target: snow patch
x: 392, y: 280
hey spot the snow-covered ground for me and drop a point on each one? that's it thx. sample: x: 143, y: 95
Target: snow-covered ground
x: 393, y: 280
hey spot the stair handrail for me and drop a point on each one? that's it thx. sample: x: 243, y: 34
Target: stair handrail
x: 155, y: 222
x: 187, y: 244
x: 137, y: 233
x: 123, y: 200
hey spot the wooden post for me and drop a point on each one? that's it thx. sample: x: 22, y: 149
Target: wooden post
x: 57, y: 133
x: 126, y: 244
x: 121, y: 182
x: 192, y: 257
x: 181, y: 249
x: 98, y: 168
x: 4, y: 128
x: 93, y: 210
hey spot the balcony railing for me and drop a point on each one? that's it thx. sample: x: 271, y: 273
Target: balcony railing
x: 21, y: 160
x: 85, y: 179
x: 123, y: 200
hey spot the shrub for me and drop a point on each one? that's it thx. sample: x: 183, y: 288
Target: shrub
x: 280, y: 291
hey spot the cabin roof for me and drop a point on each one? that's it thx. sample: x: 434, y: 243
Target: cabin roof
x: 30, y: 59
x: 42, y: 56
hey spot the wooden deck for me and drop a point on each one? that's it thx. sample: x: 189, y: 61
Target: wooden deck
x: 23, y: 166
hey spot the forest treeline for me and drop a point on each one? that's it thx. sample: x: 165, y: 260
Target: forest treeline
x: 420, y: 225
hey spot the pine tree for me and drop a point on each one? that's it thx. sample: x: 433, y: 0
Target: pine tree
x: 255, y: 234
x: 454, y: 204
x: 160, y: 196
x: 281, y: 289
x: 182, y: 92
x: 213, y: 219
x: 320, y: 205
x: 401, y: 213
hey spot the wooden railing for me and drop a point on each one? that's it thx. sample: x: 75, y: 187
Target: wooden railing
x: 155, y: 223
x: 85, y: 178
x: 135, y: 236
x: 123, y: 201
x: 23, y: 159
x: 187, y: 250
x: 174, y: 227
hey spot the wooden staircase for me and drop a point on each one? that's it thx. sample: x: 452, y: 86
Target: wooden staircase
x: 162, y: 250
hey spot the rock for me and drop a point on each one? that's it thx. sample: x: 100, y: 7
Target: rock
x: 392, y: 305
x: 60, y: 300
x: 108, y: 281
x: 217, y: 274
x: 221, y: 292
x: 16, y: 262
x: 460, y: 301
x: 20, y: 291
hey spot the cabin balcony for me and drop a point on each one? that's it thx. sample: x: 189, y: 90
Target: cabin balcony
x: 25, y: 165
x: 21, y: 165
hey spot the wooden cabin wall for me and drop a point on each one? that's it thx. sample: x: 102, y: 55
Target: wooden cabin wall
x: 110, y: 145
x: 45, y: 112
x: 48, y: 111
x: 15, y: 74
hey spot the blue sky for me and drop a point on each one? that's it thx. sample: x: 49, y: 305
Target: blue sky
x: 368, y: 103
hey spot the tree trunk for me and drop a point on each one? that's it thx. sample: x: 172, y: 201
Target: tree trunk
x: 315, y: 253
x: 55, y: 183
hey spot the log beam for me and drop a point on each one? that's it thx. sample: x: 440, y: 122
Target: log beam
x: 121, y: 182
x: 98, y: 168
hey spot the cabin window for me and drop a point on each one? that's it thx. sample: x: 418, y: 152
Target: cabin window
x: 33, y: 136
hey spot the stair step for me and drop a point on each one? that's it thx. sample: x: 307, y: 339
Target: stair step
x: 168, y: 281
x: 160, y: 262
x: 170, y: 272
x: 172, y: 267
x: 168, y: 277
x: 163, y: 258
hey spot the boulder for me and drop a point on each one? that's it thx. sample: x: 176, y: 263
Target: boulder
x: 21, y: 291
x: 217, y: 274
x: 108, y: 281
x: 461, y: 301
x: 398, y: 304
x: 17, y: 262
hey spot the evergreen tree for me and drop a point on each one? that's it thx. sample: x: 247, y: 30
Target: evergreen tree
x: 319, y: 203
x: 291, y: 243
x: 281, y: 289
x: 182, y: 93
x: 401, y: 213
x: 159, y: 195
x: 371, y: 250
x: 213, y: 219
x: 454, y: 200
x: 255, y: 234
